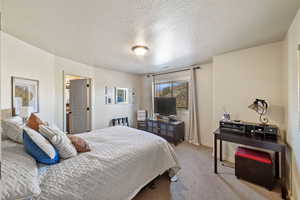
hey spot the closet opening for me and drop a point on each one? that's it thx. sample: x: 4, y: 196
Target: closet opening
x: 77, y: 110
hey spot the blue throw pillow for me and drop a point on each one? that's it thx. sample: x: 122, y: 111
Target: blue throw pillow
x: 37, y: 153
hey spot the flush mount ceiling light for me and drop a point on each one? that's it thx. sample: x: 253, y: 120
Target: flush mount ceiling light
x: 140, y: 50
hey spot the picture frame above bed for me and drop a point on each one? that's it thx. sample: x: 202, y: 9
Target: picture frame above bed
x: 25, y: 93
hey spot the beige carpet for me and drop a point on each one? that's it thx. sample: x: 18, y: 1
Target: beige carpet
x: 198, y: 182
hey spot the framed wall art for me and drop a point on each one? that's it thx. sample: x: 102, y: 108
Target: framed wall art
x: 109, y: 95
x: 25, y: 93
x: 121, y: 96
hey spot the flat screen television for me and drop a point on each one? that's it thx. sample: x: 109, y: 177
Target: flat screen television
x: 165, y: 105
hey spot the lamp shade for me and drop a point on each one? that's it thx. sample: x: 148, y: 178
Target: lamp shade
x: 25, y: 111
x: 260, y: 106
x: 254, y: 107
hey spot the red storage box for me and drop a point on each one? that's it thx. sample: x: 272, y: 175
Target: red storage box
x: 255, y: 166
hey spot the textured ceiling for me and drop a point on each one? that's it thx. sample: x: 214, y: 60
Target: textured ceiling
x: 177, y: 32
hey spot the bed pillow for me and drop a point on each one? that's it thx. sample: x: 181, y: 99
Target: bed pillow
x: 59, y: 140
x: 80, y: 144
x: 13, y: 129
x: 34, y: 122
x: 39, y: 147
x: 19, y: 173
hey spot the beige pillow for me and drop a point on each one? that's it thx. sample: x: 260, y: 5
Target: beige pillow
x: 13, y: 129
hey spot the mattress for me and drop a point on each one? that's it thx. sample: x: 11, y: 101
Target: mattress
x: 122, y: 161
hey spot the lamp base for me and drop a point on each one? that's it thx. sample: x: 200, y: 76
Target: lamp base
x: 263, y: 119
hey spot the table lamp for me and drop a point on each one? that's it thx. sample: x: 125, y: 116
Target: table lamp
x: 25, y: 112
x: 261, y: 107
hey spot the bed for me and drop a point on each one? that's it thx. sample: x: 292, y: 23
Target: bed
x: 122, y: 161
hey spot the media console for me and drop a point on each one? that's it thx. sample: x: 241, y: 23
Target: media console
x: 172, y: 131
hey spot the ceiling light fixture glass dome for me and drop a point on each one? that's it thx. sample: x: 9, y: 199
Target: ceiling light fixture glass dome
x: 140, y: 50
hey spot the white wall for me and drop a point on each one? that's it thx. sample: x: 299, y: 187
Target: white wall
x: 101, y: 113
x: 204, y: 92
x: 291, y: 91
x: 24, y: 60
x: 107, y: 112
x: 67, y: 66
x: 240, y: 77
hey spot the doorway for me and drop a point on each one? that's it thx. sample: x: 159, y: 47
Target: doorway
x: 77, y: 104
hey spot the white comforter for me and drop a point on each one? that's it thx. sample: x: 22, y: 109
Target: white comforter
x: 122, y: 161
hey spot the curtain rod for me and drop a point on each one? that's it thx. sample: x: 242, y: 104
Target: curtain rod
x: 179, y: 70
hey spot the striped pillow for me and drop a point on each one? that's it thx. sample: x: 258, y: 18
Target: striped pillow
x: 59, y: 140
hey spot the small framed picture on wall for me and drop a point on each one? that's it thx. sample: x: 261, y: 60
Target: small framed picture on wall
x: 121, y: 96
x: 109, y: 95
x: 25, y: 93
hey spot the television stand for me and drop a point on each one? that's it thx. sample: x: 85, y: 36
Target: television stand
x: 172, y: 131
x: 167, y: 118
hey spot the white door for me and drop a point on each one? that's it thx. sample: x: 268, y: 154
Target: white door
x: 80, y: 106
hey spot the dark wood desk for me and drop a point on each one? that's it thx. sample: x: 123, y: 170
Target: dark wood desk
x: 277, y: 146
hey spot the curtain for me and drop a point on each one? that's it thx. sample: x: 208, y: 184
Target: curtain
x: 193, y: 135
x: 153, y: 95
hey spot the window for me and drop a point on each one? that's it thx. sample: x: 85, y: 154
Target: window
x: 178, y: 89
